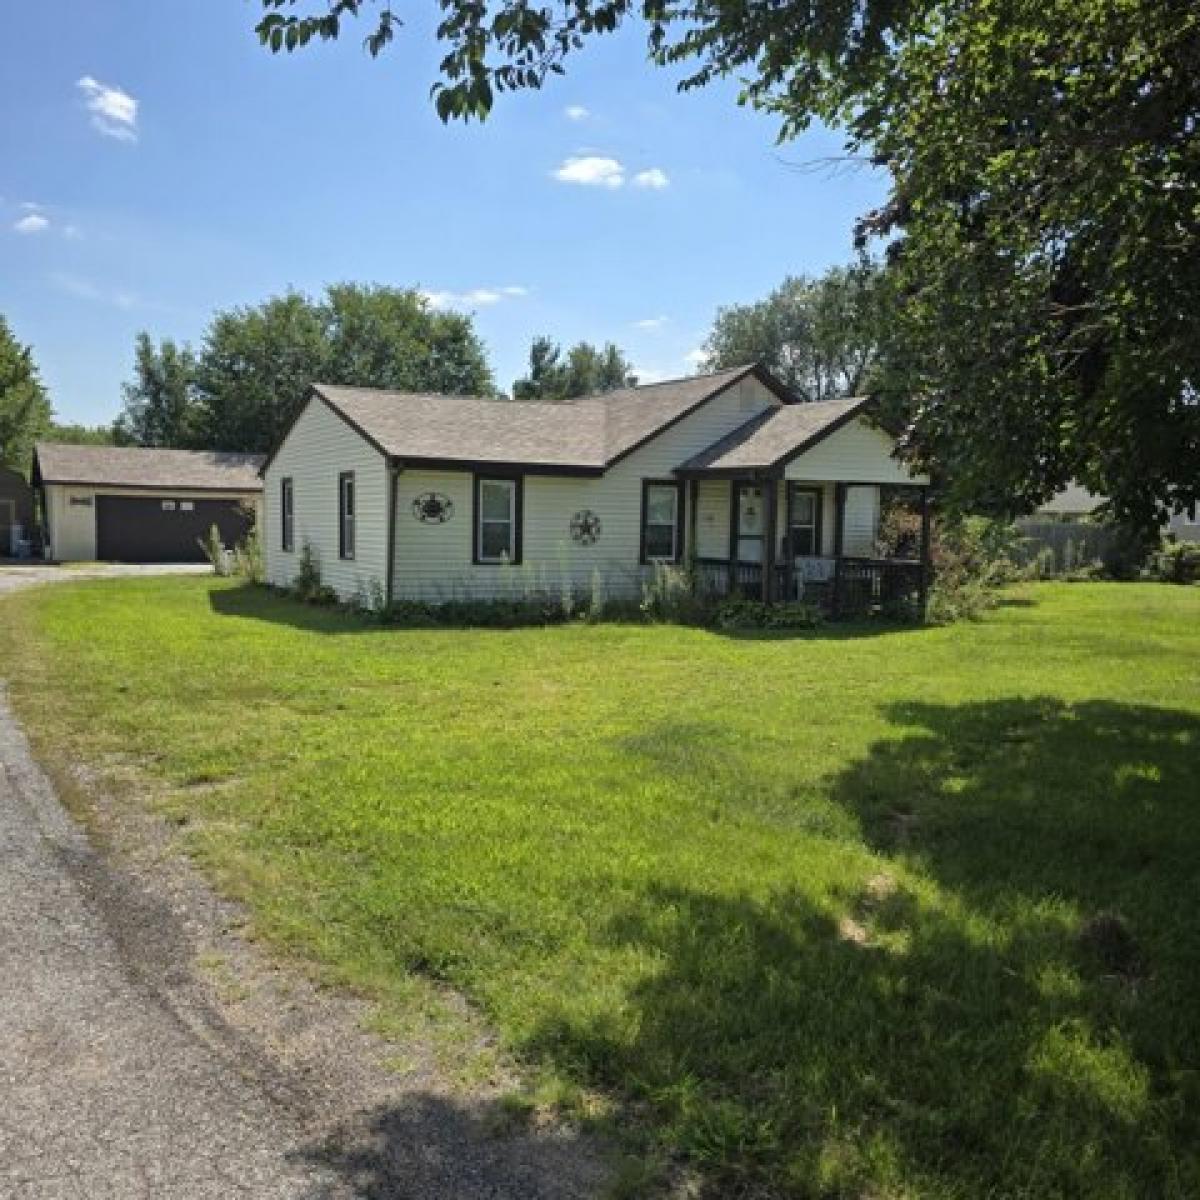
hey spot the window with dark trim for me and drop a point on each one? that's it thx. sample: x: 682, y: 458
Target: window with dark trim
x: 662, y: 520
x: 287, y: 514
x: 499, y: 500
x: 804, y: 520
x: 346, y: 514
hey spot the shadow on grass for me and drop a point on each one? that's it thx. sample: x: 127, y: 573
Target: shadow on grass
x: 255, y: 602
x: 431, y: 1145
x: 937, y: 1027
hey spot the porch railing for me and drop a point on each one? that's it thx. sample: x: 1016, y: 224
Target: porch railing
x: 844, y: 587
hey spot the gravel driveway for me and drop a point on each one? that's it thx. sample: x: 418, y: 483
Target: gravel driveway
x: 125, y: 1072
x: 17, y: 576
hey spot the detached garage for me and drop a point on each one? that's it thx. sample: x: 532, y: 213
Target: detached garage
x: 128, y: 504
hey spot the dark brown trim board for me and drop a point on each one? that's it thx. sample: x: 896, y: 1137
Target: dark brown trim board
x: 518, y: 515
x: 677, y: 485
x: 392, y: 491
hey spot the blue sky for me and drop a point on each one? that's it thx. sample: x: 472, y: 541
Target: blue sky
x: 157, y: 164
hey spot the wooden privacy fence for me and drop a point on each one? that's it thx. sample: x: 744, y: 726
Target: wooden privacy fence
x: 1063, y: 546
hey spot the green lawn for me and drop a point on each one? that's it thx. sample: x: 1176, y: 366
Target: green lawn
x: 804, y: 911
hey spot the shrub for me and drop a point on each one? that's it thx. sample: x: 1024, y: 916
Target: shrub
x: 972, y: 557
x: 248, y: 561
x: 671, y: 595
x: 740, y: 612
x: 1176, y: 562
x: 215, y: 552
x: 307, y: 585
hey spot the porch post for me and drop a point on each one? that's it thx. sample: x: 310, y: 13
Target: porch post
x: 926, y: 523
x: 839, y: 533
x: 771, y: 499
x: 693, y: 503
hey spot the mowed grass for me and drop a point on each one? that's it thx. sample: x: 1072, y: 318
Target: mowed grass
x: 806, y: 911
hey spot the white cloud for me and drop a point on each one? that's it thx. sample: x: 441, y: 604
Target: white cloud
x: 591, y: 170
x: 32, y: 222
x: 481, y: 297
x: 649, y: 375
x: 114, y: 111
x: 651, y: 323
x: 653, y: 178
x: 695, y: 358
x: 576, y: 112
x: 84, y: 289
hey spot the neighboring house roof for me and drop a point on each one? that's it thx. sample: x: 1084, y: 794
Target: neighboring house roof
x: 142, y: 467
x: 1073, y: 500
x: 587, y: 434
x: 773, y: 438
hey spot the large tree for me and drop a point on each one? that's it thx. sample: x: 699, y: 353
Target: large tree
x: 24, y: 408
x: 586, y: 370
x: 159, y: 403
x: 256, y: 363
x: 819, y: 336
x: 73, y: 434
x: 1042, y: 226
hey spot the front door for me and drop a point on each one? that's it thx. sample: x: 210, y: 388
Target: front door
x: 750, y: 522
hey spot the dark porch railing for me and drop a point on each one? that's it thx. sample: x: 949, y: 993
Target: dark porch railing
x: 856, y: 587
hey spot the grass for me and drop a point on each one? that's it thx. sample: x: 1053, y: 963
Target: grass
x: 829, y: 914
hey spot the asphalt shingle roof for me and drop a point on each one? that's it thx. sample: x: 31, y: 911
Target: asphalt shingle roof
x: 773, y: 436
x: 590, y: 432
x: 137, y: 466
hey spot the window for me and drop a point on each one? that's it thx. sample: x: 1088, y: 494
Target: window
x: 662, y: 521
x: 346, y: 514
x: 168, y: 505
x: 804, y: 521
x: 287, y: 514
x: 497, y: 520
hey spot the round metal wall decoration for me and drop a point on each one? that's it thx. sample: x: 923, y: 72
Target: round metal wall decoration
x: 585, y: 527
x: 433, y: 508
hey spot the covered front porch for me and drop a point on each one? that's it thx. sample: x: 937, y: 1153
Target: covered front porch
x: 804, y: 540
x: 788, y: 508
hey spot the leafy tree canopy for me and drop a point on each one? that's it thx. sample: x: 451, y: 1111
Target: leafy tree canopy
x: 160, y: 407
x: 72, y: 434
x: 584, y: 371
x: 1042, y: 229
x: 819, y: 336
x: 255, y: 365
x: 24, y: 408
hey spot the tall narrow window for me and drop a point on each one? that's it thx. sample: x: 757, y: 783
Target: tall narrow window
x: 804, y: 521
x: 346, y: 514
x: 497, y: 520
x: 287, y: 515
x: 662, y: 521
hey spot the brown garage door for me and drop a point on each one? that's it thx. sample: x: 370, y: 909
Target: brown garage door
x: 143, y: 529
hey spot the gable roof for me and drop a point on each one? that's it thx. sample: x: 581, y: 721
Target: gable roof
x: 143, y: 467
x: 775, y: 437
x: 585, y: 435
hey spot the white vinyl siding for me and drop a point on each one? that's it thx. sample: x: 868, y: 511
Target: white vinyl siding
x: 712, y: 518
x: 857, y: 452
x: 433, y: 561
x: 320, y: 448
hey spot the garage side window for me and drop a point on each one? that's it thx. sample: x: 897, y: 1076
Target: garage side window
x: 287, y: 515
x: 346, y: 514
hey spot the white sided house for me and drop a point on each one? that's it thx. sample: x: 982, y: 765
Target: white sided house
x: 435, y: 498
